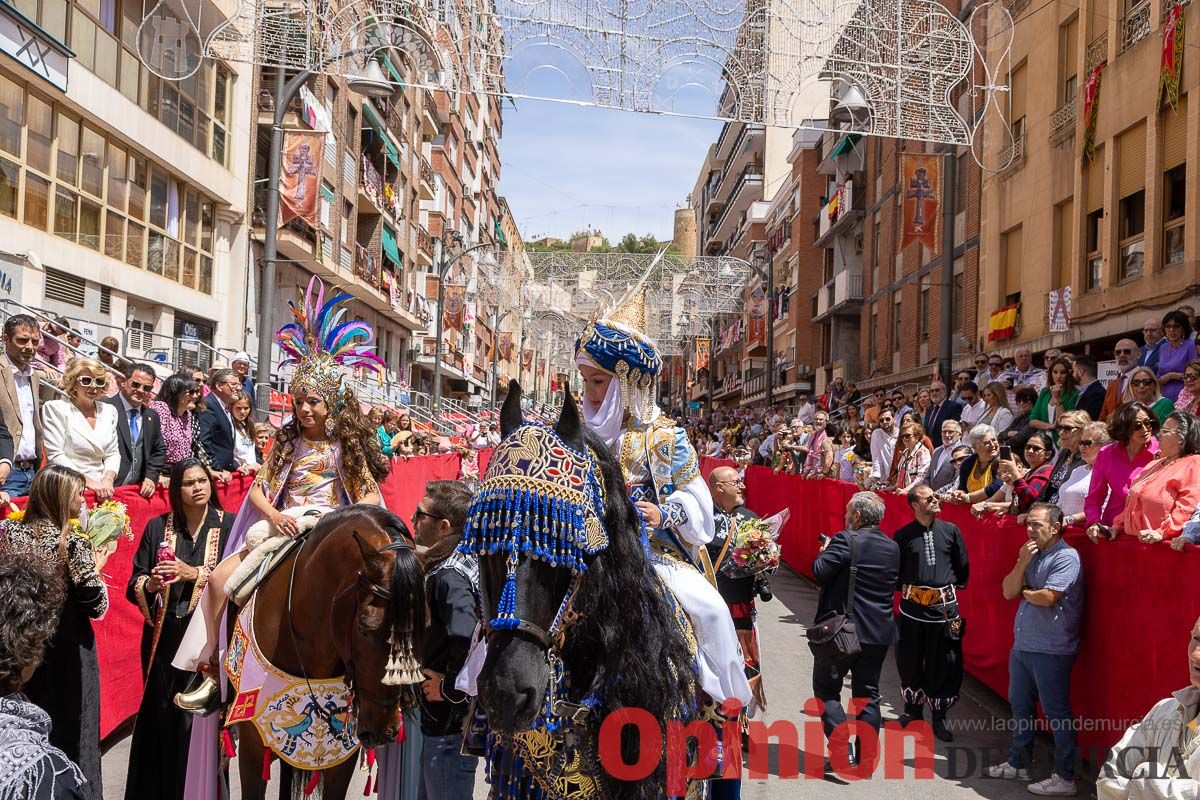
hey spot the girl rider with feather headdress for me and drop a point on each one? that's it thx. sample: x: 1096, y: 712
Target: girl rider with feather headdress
x: 324, y: 457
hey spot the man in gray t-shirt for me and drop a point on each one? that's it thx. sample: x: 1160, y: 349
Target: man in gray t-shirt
x: 1048, y: 580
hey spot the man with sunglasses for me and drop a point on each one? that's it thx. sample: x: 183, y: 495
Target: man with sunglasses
x: 1119, y: 393
x: 139, y: 430
x: 452, y: 598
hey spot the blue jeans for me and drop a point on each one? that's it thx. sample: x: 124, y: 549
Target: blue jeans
x: 446, y: 774
x: 1044, y: 677
x: 18, y: 483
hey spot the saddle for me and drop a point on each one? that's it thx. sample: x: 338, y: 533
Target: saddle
x: 266, y: 550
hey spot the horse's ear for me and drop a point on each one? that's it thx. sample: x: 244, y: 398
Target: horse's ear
x: 510, y: 413
x: 570, y: 425
x: 372, y: 558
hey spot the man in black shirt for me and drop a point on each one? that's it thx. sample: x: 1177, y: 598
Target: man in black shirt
x: 452, y: 595
x: 933, y: 564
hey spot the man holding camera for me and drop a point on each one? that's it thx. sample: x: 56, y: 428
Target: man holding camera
x: 933, y: 566
x: 729, y: 498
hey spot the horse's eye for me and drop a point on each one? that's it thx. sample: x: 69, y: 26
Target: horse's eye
x: 371, y: 620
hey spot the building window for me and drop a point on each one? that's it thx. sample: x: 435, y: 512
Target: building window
x: 923, y: 311
x: 1068, y: 54
x: 956, y: 324
x: 1132, y: 224
x: 873, y: 337
x: 896, y: 300
x: 1174, y: 208
x: 1095, y: 254
x: 960, y: 183
x: 1064, y: 230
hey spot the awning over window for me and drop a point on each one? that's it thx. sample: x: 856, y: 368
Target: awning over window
x: 372, y: 117
x: 846, y: 144
x: 389, y: 246
x: 392, y: 154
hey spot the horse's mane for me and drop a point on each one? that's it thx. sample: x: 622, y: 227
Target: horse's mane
x: 628, y: 633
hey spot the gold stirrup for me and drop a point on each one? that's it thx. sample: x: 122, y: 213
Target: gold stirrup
x: 198, y: 700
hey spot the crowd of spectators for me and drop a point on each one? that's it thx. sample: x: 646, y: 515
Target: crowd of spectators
x: 1118, y: 457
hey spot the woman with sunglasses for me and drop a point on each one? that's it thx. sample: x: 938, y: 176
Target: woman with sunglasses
x: 913, y: 461
x: 1145, y: 388
x: 1069, y: 459
x: 1132, y: 428
x: 1023, y: 484
x: 1174, y: 353
x: 1189, y: 398
x: 1165, y: 495
x: 81, y: 433
x: 1072, y: 494
x: 176, y: 406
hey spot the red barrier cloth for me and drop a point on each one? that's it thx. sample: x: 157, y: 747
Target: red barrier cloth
x: 708, y: 464
x: 405, y: 487
x: 1136, y: 623
x: 485, y: 457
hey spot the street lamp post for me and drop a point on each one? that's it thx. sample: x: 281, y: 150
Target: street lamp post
x: 454, y: 237
x: 370, y: 84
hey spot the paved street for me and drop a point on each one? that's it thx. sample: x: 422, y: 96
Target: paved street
x: 978, y: 718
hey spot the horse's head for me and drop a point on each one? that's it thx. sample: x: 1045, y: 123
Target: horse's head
x: 378, y: 619
x: 536, y: 522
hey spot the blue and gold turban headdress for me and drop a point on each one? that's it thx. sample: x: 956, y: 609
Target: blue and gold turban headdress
x: 320, y: 344
x: 618, y: 345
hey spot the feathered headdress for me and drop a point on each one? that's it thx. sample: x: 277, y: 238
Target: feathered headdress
x: 320, y: 344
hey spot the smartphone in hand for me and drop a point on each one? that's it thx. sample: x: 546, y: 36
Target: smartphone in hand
x: 1005, y: 452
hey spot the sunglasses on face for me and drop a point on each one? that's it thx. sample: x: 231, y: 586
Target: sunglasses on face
x: 1033, y: 448
x: 1144, y: 424
x: 419, y: 513
x: 1124, y: 352
x: 87, y: 382
x: 1143, y: 382
x: 996, y: 364
x: 138, y: 386
x: 1067, y: 428
x: 1087, y: 442
x: 1190, y: 376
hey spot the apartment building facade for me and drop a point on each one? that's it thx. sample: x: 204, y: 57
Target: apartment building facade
x: 123, y: 197
x: 1120, y: 227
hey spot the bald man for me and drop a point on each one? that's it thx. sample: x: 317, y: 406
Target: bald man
x: 1152, y: 333
x: 1126, y: 353
x: 729, y: 498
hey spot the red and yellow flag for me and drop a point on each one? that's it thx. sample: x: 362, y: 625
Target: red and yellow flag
x: 1003, y: 323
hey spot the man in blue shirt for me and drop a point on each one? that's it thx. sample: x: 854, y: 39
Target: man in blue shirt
x: 1048, y: 580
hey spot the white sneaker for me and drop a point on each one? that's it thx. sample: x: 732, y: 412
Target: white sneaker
x: 1006, y: 771
x: 1054, y: 786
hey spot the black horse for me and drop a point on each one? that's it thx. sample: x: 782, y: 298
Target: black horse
x: 627, y: 643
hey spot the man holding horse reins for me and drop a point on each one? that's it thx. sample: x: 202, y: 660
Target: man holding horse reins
x: 620, y: 366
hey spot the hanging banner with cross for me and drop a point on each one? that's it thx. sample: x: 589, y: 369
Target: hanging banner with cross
x: 922, y: 185
x: 299, y: 175
x: 455, y: 310
x: 1171, y: 60
x: 506, y: 345
x: 703, y: 346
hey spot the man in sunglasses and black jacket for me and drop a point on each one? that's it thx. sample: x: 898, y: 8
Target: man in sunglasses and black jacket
x: 139, y: 430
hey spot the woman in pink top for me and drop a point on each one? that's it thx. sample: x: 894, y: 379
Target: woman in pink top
x: 1118, y: 465
x: 1163, y: 497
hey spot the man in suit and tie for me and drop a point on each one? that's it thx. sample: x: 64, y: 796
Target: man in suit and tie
x: 1118, y: 393
x: 139, y: 430
x: 216, y: 423
x: 1091, y: 391
x: 878, y: 567
x: 940, y: 410
x: 21, y: 403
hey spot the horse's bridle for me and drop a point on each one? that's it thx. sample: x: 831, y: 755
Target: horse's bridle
x: 347, y: 656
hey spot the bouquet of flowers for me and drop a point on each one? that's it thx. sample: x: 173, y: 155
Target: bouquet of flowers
x: 105, y: 523
x: 754, y: 550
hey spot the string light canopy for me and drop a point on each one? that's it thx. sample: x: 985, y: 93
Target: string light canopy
x: 891, y: 67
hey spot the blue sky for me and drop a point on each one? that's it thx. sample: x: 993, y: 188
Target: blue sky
x: 566, y: 167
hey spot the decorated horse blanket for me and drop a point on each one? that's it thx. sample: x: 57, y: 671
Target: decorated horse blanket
x: 307, y: 723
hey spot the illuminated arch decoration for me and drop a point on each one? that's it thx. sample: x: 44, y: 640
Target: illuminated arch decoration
x: 773, y: 62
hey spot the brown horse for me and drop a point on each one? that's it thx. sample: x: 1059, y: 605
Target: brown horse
x: 330, y: 610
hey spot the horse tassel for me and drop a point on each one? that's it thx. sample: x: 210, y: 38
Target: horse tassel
x: 266, y: 772
x: 311, y: 786
x: 227, y: 744
x: 403, y: 668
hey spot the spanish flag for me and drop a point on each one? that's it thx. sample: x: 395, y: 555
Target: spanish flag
x: 1003, y: 323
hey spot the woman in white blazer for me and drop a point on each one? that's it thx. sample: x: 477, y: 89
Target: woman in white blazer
x: 81, y: 433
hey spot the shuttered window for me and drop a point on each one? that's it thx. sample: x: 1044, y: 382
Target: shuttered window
x: 1068, y: 58
x: 1098, y: 15
x: 1095, y: 181
x: 1175, y: 136
x: 1016, y: 94
x: 1064, y: 224
x: 1012, y: 262
x: 1131, y: 160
